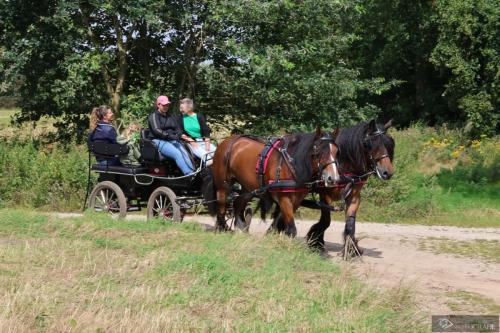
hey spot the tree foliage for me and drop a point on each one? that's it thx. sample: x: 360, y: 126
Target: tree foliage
x: 468, y: 54
x: 273, y: 65
x: 444, y: 54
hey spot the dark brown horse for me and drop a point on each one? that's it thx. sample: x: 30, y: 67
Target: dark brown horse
x: 364, y: 149
x: 296, y: 161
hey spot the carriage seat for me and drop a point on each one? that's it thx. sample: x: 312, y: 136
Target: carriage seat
x: 128, y: 170
x: 156, y: 162
x: 149, y: 152
x: 105, y: 150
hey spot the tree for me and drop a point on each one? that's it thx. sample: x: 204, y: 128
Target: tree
x: 467, y: 52
x: 290, y: 68
x: 236, y: 58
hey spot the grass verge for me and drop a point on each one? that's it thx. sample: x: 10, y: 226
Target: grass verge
x: 5, y: 116
x: 94, y: 274
x: 465, y: 301
x: 488, y: 250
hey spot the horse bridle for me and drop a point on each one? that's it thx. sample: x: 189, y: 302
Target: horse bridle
x: 367, y: 142
x: 328, y: 138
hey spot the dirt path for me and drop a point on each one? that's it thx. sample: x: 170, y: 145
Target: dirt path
x: 393, y: 258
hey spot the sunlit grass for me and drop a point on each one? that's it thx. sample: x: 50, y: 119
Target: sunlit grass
x: 100, y: 275
x: 5, y: 116
x: 488, y: 250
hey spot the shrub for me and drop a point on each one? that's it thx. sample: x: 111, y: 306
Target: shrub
x: 38, y: 176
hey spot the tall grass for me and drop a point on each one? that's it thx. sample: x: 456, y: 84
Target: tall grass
x: 94, y: 274
x: 441, y: 178
x: 42, y: 176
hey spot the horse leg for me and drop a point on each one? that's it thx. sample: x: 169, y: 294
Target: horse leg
x: 239, y: 212
x: 315, y: 235
x: 286, y: 216
x: 277, y: 225
x: 350, y: 225
x: 221, y: 210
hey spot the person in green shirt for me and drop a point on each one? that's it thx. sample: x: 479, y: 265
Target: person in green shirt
x: 197, y: 132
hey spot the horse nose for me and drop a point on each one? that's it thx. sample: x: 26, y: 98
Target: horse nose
x: 386, y: 175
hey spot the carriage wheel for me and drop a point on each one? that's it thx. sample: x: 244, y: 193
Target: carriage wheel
x: 108, y: 197
x: 162, y: 205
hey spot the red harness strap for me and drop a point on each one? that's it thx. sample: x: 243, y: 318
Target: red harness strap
x: 261, y: 169
x: 275, y: 185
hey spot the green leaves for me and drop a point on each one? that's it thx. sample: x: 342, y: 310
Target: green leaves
x: 468, y: 48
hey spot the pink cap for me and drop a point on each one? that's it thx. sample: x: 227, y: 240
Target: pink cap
x: 163, y: 100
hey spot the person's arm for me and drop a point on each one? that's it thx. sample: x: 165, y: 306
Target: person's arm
x: 164, y: 134
x: 112, y: 134
x: 205, y: 130
x: 122, y: 139
x: 207, y: 144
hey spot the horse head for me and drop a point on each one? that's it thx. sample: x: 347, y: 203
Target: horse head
x: 379, y: 148
x: 324, y: 156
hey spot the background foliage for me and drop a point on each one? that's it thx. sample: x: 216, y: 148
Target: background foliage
x: 442, y: 177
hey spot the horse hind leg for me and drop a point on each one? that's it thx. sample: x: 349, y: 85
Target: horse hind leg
x: 240, y: 212
x: 221, y: 224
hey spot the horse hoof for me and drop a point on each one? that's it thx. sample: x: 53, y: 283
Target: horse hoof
x: 220, y: 228
x: 351, y: 249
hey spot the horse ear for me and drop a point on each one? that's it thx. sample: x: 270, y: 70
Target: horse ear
x: 372, y: 125
x: 388, y: 124
x: 318, y: 131
x: 335, y: 133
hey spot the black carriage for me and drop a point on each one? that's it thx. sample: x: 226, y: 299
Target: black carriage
x: 157, y: 184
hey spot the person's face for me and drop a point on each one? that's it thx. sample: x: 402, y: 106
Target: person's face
x: 182, y: 108
x: 185, y: 108
x: 163, y: 108
x: 108, y: 116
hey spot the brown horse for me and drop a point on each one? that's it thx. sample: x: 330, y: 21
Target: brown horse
x: 295, y: 161
x: 364, y: 149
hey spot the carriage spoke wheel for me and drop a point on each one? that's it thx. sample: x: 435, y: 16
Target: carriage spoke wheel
x: 108, y: 197
x: 162, y: 205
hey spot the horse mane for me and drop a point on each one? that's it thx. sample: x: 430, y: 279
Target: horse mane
x: 300, y: 146
x: 352, y: 148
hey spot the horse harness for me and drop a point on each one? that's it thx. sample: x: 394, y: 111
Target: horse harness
x: 277, y: 184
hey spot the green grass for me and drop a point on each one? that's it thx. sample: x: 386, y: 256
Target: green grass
x: 488, y: 250
x: 95, y: 274
x: 465, y: 301
x: 5, y: 117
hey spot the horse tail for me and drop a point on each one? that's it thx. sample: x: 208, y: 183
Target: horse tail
x: 208, y: 190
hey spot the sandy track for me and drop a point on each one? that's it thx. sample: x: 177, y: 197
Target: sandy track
x: 393, y: 258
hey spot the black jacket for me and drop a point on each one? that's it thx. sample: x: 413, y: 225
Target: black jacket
x: 104, y: 132
x: 164, y: 126
x: 204, y: 129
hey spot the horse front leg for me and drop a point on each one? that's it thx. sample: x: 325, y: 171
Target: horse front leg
x: 277, y: 225
x: 286, y: 219
x: 351, y: 247
x: 316, y: 235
